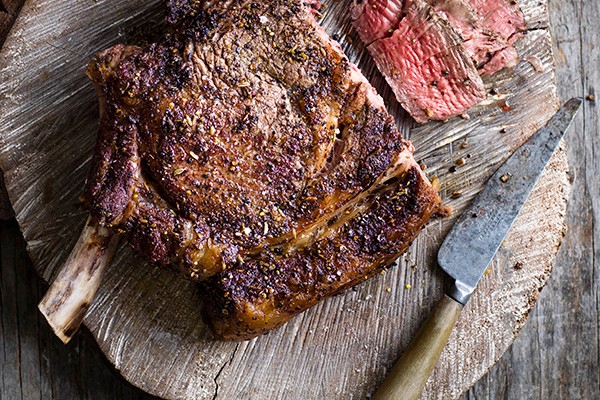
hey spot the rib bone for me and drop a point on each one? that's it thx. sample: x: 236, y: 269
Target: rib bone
x: 71, y: 293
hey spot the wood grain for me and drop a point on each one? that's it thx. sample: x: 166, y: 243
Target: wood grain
x: 9, y: 9
x: 407, y: 378
x: 132, y: 318
x: 35, y: 364
x: 557, y: 354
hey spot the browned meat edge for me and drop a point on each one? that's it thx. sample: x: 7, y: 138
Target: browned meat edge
x: 261, y: 294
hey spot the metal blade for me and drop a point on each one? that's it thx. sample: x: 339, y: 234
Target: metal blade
x: 476, y: 236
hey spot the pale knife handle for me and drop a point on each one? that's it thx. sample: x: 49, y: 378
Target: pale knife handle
x: 407, y: 379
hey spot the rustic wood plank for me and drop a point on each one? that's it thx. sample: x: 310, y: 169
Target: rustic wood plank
x: 9, y: 9
x: 6, y: 211
x: 6, y: 21
x: 35, y: 364
x: 11, y: 6
x: 557, y: 354
x: 11, y: 380
x: 145, y: 290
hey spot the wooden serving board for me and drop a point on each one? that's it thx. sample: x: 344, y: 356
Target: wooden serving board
x: 147, y: 320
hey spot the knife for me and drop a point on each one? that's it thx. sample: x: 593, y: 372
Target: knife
x: 468, y: 249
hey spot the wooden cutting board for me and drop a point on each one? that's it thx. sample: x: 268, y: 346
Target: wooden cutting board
x: 147, y: 319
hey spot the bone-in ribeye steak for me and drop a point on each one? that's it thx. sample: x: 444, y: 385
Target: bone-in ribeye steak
x: 246, y: 149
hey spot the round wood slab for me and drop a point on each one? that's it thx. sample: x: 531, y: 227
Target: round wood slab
x: 147, y: 319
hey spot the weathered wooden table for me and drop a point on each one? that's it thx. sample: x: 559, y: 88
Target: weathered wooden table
x: 556, y: 355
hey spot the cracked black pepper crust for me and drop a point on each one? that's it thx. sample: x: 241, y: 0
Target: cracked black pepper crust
x: 256, y: 296
x: 243, y: 133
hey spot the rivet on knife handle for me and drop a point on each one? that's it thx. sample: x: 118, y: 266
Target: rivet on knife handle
x: 407, y: 379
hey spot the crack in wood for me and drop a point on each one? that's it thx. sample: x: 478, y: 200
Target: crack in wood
x: 228, y: 362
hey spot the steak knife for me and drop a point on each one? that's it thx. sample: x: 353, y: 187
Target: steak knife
x: 468, y: 249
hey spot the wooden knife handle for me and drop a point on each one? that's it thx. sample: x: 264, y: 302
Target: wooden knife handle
x: 407, y: 379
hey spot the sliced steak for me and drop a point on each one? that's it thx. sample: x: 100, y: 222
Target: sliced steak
x: 489, y: 29
x: 376, y: 19
x: 425, y: 56
x: 245, y: 141
x: 421, y: 56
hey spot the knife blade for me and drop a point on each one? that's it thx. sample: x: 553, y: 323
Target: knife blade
x: 477, y: 234
x: 470, y: 246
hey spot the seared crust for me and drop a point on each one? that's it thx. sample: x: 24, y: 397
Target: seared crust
x: 259, y: 295
x: 242, y: 135
x: 230, y: 131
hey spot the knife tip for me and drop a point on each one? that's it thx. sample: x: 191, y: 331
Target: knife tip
x: 574, y: 103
